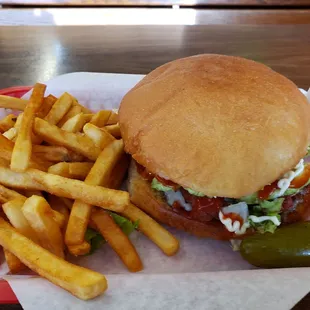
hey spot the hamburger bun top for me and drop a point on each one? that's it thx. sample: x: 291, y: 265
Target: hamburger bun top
x: 221, y: 125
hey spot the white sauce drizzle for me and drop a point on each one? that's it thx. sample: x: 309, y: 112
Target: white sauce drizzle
x: 173, y: 196
x: 284, y: 183
x: 259, y: 219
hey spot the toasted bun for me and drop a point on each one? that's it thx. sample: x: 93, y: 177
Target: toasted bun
x: 221, y: 125
x: 153, y: 203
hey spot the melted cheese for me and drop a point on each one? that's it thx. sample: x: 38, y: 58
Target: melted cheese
x: 173, y: 196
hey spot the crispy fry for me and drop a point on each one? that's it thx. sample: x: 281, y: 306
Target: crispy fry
x: 57, y: 204
x: 14, y: 264
x: 51, y: 153
x: 59, y: 109
x: 75, y: 109
x: 6, y: 153
x: 46, y: 106
x: 100, y: 137
x: 106, y: 198
x: 76, y: 142
x: 76, y: 123
x: 18, y: 121
x: 79, y: 249
x: 13, y: 211
x: 8, y: 122
x: 155, y: 232
x: 23, y: 147
x: 114, y: 130
x: 77, y: 171
x: 40, y: 217
x: 84, y: 109
x: 119, y: 172
x: 7, y: 102
x: 81, y: 282
x: 119, y: 242
x: 8, y: 194
x: 67, y: 202
x: 113, y: 119
x: 98, y: 175
x: 11, y: 133
x: 101, y: 118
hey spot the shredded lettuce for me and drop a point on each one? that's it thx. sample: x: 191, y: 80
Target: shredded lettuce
x: 273, y: 206
x: 159, y: 186
x: 95, y: 239
x: 192, y: 192
x: 264, y: 227
x: 250, y: 199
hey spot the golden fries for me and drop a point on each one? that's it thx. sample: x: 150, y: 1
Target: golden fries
x: 98, y: 175
x: 59, y: 109
x: 114, y: 130
x: 75, y: 109
x: 11, y: 133
x: 101, y: 118
x: 57, y: 204
x: 8, y: 122
x: 119, y: 242
x: 48, y: 102
x: 7, y: 102
x: 75, y: 142
x: 155, y: 232
x: 79, y: 249
x: 14, y: 263
x: 81, y: 282
x: 51, y: 153
x: 77, y: 171
x: 23, y: 147
x: 76, y: 123
x: 113, y: 119
x: 100, y: 137
x: 8, y: 194
x: 39, y: 215
x: 14, y: 213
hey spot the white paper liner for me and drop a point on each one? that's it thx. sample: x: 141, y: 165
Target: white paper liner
x: 205, y: 274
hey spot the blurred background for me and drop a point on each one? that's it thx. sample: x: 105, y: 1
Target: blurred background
x: 153, y: 12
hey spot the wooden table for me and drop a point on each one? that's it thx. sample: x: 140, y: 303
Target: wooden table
x: 30, y: 54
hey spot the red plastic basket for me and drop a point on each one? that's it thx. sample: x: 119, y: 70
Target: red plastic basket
x: 7, y: 296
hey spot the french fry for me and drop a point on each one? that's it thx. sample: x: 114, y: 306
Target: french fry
x: 155, y: 232
x: 119, y: 242
x: 51, y: 153
x: 76, y: 123
x: 67, y: 202
x: 7, y: 102
x: 106, y: 198
x: 11, y: 133
x: 59, y: 109
x: 14, y: 263
x: 75, y: 109
x: 79, y: 249
x: 81, y: 282
x: 48, y: 102
x: 101, y: 118
x: 8, y: 122
x: 14, y: 213
x: 77, y: 171
x: 39, y: 215
x: 7, y: 150
x: 23, y: 147
x: 57, y: 204
x: 98, y: 175
x: 119, y: 172
x: 76, y: 142
x: 114, y: 130
x: 8, y: 194
x: 113, y: 119
x: 100, y: 137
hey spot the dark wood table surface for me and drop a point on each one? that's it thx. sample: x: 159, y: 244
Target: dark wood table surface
x: 31, y: 54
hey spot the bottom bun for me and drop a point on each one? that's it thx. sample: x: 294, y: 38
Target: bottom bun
x: 153, y: 203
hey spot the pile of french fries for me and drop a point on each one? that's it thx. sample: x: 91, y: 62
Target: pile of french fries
x: 60, y: 169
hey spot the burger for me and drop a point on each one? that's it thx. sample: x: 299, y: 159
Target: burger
x: 218, y: 146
